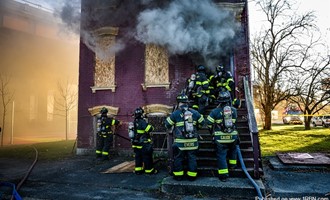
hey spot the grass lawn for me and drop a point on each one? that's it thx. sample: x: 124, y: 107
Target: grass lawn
x: 293, y: 138
x: 283, y: 138
x: 46, y: 150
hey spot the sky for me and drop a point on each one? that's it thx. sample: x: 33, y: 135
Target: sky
x: 321, y: 8
x: 44, y: 4
x: 256, y: 17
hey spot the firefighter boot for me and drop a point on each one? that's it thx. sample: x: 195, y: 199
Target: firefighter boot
x: 154, y: 171
x: 223, y: 177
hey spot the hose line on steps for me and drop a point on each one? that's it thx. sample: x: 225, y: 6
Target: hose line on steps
x: 256, y: 186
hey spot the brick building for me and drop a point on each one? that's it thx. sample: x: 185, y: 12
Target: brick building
x: 129, y: 59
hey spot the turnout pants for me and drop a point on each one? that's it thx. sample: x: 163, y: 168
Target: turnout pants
x: 179, y: 158
x: 224, y: 150
x: 143, y: 159
x: 103, y: 143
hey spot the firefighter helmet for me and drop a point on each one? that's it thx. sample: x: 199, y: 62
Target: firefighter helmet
x: 220, y: 68
x: 201, y: 68
x: 182, y: 98
x: 104, y: 110
x: 138, y: 113
x: 224, y: 96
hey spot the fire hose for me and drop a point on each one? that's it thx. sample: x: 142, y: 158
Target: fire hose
x: 14, y: 190
x: 15, y: 195
x: 256, y: 186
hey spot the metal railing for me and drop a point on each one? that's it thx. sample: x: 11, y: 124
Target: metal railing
x: 253, y: 127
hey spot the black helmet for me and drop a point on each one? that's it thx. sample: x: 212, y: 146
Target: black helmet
x: 104, y: 110
x: 182, y: 98
x: 201, y: 68
x: 138, y: 113
x: 224, y: 97
x: 220, y: 68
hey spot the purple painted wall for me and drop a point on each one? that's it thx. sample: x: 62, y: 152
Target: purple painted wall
x: 129, y: 93
x: 129, y: 76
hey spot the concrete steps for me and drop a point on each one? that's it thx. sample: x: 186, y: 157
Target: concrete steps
x: 207, y: 184
x: 234, y: 188
x: 206, y: 157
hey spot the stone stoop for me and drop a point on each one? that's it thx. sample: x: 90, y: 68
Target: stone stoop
x: 236, y: 188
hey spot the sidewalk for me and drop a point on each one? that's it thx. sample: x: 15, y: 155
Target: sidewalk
x: 80, y: 177
x: 297, y: 181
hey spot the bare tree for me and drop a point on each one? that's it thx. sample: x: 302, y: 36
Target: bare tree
x: 6, y: 97
x: 65, y: 101
x: 313, y: 85
x: 274, y: 52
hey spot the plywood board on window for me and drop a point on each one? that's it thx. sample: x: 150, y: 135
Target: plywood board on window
x: 156, y: 65
x: 104, y: 62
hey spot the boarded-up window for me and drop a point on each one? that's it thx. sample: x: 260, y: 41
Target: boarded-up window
x: 156, y: 67
x: 104, y: 74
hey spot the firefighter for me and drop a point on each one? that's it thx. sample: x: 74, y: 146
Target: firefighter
x: 221, y: 123
x: 185, y: 122
x: 140, y: 134
x: 224, y: 80
x: 104, y: 136
x: 212, y: 88
x: 202, y: 89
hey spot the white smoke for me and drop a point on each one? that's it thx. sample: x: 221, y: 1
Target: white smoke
x: 197, y: 27
x: 188, y: 26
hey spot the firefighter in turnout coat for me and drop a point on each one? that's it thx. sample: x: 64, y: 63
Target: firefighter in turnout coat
x: 184, y: 122
x: 104, y: 136
x: 202, y: 89
x: 225, y: 81
x: 221, y: 123
x: 140, y: 133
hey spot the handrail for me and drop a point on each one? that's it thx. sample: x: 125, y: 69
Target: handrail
x: 250, y: 108
x: 253, y: 127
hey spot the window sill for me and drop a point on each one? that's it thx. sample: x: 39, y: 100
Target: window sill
x: 112, y: 88
x: 145, y: 86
